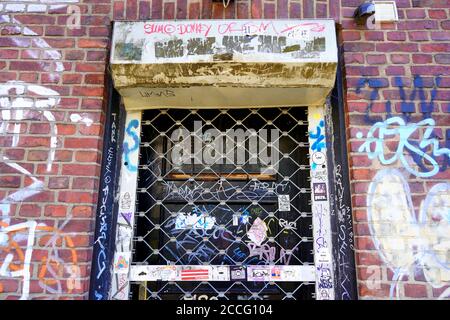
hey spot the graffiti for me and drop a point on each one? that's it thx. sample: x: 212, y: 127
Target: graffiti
x: 252, y: 191
x: 345, y: 235
x: 194, y: 220
x: 396, y: 229
x: 318, y: 137
x: 325, y: 280
x: 13, y: 109
x: 127, y: 150
x: 22, y: 101
x: 265, y: 252
x: 289, y: 225
x: 407, y: 104
x: 396, y: 127
x: 17, y: 263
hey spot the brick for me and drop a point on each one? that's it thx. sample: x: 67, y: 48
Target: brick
x: 79, y: 170
x: 30, y: 65
x: 349, y: 35
x: 9, y: 54
x: 87, y: 91
x: 85, y: 183
x: 94, y: 78
x: 440, y: 36
x: 92, y: 43
x: 55, y: 210
x: 181, y: 9
x: 422, y: 58
x: 295, y: 12
x: 382, y: 292
x: 417, y: 25
x: 396, y: 36
x: 58, y: 182
x: 10, y: 181
x: 86, y: 156
x: 256, y: 9
x: 400, y: 58
x: 415, y: 290
x: 73, y: 78
x: 376, y: 59
x: 374, y: 35
x: 96, y: 56
x: 359, y: 47
x: 396, y: 47
x: 81, y: 143
x: 30, y: 210
x: 76, y: 197
x: 42, y: 128
x: 418, y: 36
x: 269, y: 10
x: 169, y: 11
x: 442, y: 58
x: 437, y: 14
x: 82, y: 211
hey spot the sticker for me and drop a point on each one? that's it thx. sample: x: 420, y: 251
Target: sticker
x: 284, y: 202
x: 122, y: 262
x: 153, y: 273
x: 320, y: 191
x: 258, y: 273
x: 323, y: 256
x: 275, y: 273
x: 220, y: 273
x: 194, y: 221
x: 195, y: 273
x: 238, y: 273
x: 318, y: 158
x: 257, y: 232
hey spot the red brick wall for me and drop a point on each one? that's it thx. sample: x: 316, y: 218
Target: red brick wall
x: 402, y: 67
x: 55, y: 75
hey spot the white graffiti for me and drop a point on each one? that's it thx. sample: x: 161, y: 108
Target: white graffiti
x: 406, y: 241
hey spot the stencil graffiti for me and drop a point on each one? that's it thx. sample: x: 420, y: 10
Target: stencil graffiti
x: 396, y: 229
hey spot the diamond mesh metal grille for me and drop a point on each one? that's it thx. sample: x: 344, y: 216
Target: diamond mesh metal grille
x: 231, y: 194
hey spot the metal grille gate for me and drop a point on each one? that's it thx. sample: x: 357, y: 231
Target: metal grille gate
x: 225, y: 193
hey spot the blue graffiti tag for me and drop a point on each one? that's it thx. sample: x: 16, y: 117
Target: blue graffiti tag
x: 133, y: 124
x: 319, y: 143
x: 374, y: 146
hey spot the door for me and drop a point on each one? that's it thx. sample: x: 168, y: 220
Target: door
x: 223, y: 205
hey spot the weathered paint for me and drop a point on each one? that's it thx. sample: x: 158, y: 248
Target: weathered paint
x: 249, y: 62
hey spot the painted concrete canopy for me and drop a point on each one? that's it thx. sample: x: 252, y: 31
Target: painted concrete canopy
x: 232, y: 63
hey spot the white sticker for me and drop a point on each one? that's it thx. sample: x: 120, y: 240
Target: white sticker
x: 220, y: 273
x: 323, y: 256
x: 258, y: 273
x: 318, y: 157
x: 258, y: 232
x: 284, y: 202
x: 153, y: 273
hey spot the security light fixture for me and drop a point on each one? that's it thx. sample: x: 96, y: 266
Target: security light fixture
x: 380, y: 11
